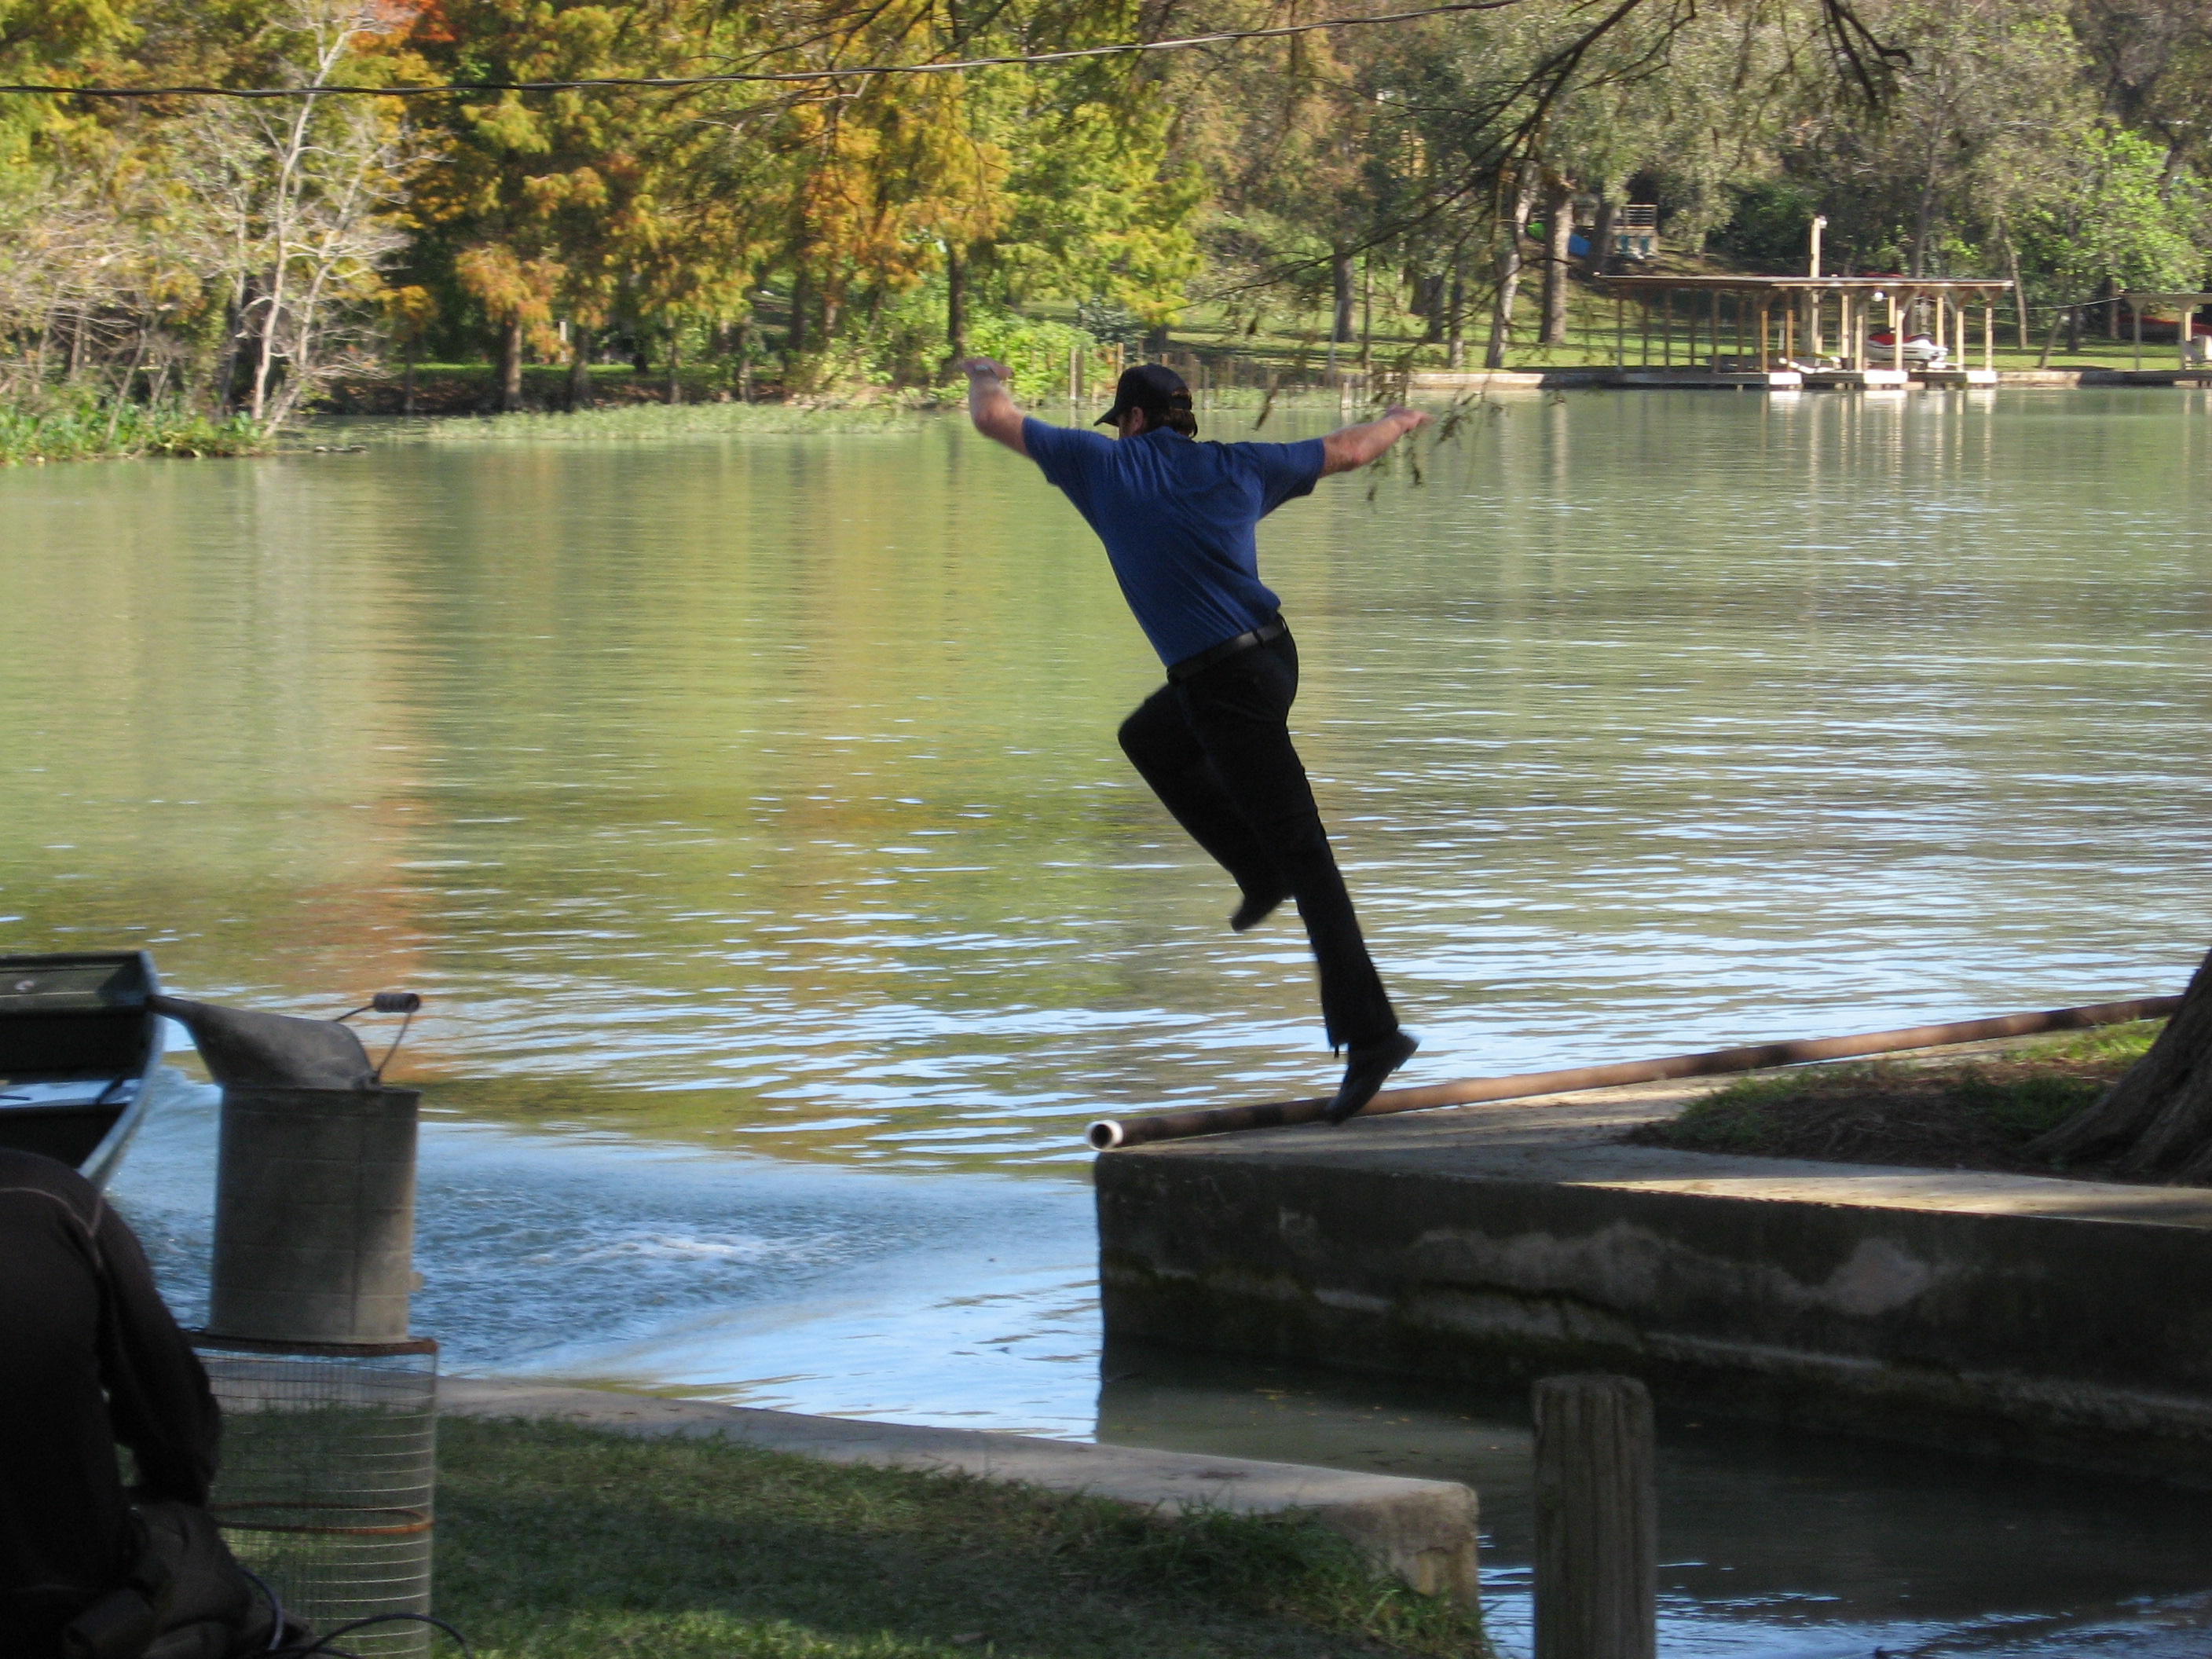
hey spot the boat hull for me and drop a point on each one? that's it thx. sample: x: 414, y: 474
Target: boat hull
x: 78, y: 1046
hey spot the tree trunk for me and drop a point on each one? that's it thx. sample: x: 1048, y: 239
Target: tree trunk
x: 1339, y: 271
x: 675, y: 363
x: 1456, y: 313
x: 580, y: 368
x: 407, y: 380
x: 746, y: 332
x: 1923, y: 226
x: 2109, y: 292
x: 234, y: 333
x: 2019, y: 294
x: 2073, y: 330
x: 1425, y: 300
x: 2158, y: 1117
x: 510, y: 366
x: 956, y: 304
x: 1367, y: 313
x: 123, y: 392
x: 1509, y: 279
x: 1600, y: 242
x: 1559, y: 228
x: 802, y: 297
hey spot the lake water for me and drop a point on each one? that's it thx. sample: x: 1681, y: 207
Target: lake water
x: 748, y: 810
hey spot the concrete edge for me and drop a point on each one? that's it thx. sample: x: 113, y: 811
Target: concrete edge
x: 1422, y: 1531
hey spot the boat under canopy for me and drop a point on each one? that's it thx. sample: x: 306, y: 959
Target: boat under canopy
x: 78, y: 1045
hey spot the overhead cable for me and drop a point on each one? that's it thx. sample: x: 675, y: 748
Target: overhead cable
x: 677, y: 83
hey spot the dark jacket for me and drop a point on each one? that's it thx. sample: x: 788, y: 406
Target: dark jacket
x: 90, y: 1358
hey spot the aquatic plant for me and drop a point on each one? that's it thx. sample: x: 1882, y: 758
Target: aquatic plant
x: 98, y: 428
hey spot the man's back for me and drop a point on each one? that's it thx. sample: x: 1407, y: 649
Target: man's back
x: 1177, y: 518
x: 92, y: 1358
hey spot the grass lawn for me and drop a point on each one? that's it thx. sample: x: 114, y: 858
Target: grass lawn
x: 556, y: 1542
x: 1965, y: 1114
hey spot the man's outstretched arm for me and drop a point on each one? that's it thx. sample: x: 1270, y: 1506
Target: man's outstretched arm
x: 1352, y: 446
x: 991, y: 406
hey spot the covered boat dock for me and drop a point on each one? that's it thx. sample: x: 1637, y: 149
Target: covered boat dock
x: 1782, y: 331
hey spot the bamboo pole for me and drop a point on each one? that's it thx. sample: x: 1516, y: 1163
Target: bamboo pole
x: 1109, y: 1132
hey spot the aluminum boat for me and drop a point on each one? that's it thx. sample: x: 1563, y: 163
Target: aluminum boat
x: 78, y: 1046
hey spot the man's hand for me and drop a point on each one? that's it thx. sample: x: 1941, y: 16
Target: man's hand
x: 1354, y: 447
x: 989, y: 404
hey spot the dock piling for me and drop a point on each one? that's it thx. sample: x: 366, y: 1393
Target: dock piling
x: 1597, y: 1520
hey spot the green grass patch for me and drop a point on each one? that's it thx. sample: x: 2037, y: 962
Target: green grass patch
x: 1974, y: 1114
x: 556, y: 1542
x: 94, y: 430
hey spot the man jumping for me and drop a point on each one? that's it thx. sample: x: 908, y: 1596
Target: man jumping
x: 1177, y: 518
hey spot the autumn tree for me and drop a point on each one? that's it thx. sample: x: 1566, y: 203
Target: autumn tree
x: 572, y: 206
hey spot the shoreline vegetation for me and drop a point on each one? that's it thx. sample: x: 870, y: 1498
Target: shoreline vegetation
x: 108, y: 430
x: 114, y: 429
x: 455, y: 402
x: 1430, y: 191
x: 558, y: 1542
x: 1980, y: 1113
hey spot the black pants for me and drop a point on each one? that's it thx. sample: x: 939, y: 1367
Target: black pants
x: 1216, y: 749
x: 186, y: 1599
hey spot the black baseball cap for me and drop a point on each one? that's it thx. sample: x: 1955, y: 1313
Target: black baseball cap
x: 1152, y: 387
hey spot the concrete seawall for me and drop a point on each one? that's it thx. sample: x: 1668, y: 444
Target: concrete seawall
x: 2062, y: 1320
x: 1421, y: 1531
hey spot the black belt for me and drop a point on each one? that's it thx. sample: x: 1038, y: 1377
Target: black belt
x: 1222, y: 652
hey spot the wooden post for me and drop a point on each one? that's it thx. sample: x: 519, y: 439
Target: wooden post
x: 2134, y: 311
x: 1597, y: 1520
x: 1620, y: 328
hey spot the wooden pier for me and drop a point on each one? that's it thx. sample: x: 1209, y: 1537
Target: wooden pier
x: 1818, y: 329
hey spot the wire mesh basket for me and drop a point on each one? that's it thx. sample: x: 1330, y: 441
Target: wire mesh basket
x: 328, y: 1463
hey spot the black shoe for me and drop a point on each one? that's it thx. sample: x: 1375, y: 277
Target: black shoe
x: 1364, y: 1072
x: 1254, y: 911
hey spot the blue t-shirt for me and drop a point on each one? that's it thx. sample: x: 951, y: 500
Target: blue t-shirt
x: 1177, y: 518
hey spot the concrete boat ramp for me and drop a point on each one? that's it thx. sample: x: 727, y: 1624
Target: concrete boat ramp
x: 2062, y: 1320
